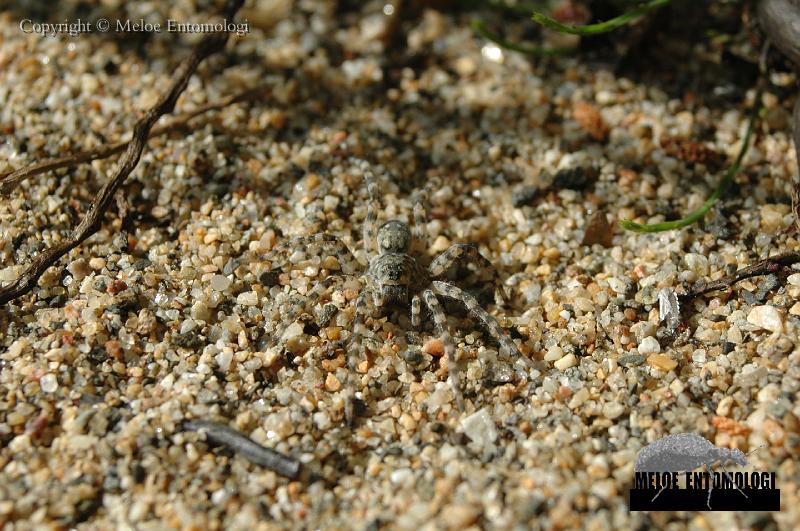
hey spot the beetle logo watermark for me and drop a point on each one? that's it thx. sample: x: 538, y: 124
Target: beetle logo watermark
x: 662, y: 466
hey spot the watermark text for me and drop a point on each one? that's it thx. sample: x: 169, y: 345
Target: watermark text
x: 73, y: 28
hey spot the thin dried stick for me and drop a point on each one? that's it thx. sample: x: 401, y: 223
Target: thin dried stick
x: 764, y: 267
x: 10, y: 180
x: 222, y: 434
x: 93, y: 218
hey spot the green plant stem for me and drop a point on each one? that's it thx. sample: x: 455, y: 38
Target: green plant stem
x: 600, y: 27
x: 719, y: 192
x: 481, y: 29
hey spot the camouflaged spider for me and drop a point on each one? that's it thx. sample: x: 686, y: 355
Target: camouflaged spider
x: 394, y: 277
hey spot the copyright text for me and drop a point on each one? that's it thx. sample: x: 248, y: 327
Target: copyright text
x: 78, y: 27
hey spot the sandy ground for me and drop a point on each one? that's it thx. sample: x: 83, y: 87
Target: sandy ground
x: 179, y: 317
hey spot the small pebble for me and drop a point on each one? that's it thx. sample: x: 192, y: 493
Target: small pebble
x: 200, y: 311
x: 332, y: 383
x: 579, y: 398
x: 248, y: 298
x: 293, y: 330
x: 79, y: 269
x: 434, y: 347
x: 322, y: 420
x: 524, y: 196
x: 618, y: 285
x: 643, y: 329
x: 220, y: 283
x: 598, y: 230
x: 649, y: 345
x: 224, y: 359
x: 460, y: 516
x: 480, y: 428
x: 440, y: 244
x: 724, y: 406
x: 662, y: 362
x: 554, y: 353
x: 48, y: 383
x: 631, y: 360
x: 566, y: 362
x: 16, y: 349
x: 612, y: 410
x: 766, y: 317
x: 402, y: 477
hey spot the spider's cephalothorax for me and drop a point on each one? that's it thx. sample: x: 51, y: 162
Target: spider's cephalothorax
x: 394, y: 237
x: 393, y: 277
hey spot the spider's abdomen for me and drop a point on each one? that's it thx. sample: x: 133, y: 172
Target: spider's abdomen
x: 392, y: 274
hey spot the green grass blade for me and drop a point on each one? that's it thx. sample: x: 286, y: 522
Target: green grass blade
x: 600, y: 27
x: 719, y: 192
x: 536, y: 51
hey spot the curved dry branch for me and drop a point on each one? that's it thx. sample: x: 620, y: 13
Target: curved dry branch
x: 11, y: 179
x: 764, y: 267
x: 141, y: 130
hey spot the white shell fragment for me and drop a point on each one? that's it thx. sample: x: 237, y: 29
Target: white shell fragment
x: 669, y: 310
x: 480, y: 428
x: 649, y: 345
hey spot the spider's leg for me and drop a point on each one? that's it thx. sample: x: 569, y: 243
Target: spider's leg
x: 354, y: 352
x: 440, y: 320
x: 416, y: 321
x: 327, y: 243
x: 463, y: 252
x: 372, y: 210
x: 377, y: 299
x: 420, y: 232
x: 298, y: 306
x: 359, y: 330
x: 454, y: 292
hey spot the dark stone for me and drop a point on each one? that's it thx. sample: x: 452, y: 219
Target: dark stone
x: 413, y: 356
x: 311, y: 328
x: 139, y: 474
x: 524, y: 196
x: 230, y: 266
x: 328, y: 311
x: 631, y: 360
x: 190, y: 340
x: 578, y: 178
x: 269, y: 278
x: 141, y: 264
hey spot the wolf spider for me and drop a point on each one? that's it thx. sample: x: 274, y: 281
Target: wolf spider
x: 394, y: 277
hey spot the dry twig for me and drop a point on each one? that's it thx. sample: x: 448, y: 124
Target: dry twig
x: 10, y: 180
x: 764, y: 267
x: 141, y: 130
x: 222, y: 434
